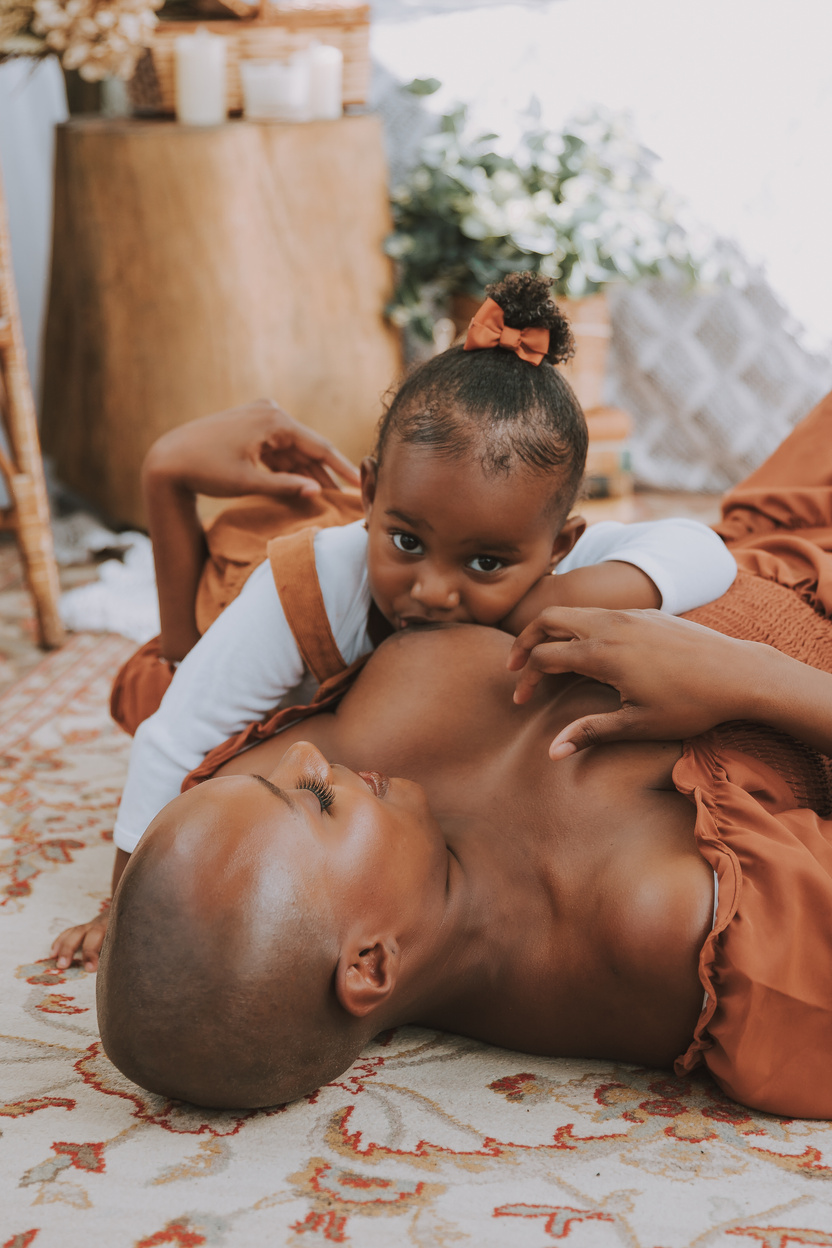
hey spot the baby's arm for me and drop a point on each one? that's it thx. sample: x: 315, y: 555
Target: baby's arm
x: 675, y: 565
x: 237, y: 673
x: 247, y: 661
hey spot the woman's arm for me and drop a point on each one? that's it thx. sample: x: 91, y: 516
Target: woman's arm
x: 254, y: 449
x: 676, y: 679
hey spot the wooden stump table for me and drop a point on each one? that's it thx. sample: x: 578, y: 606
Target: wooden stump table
x: 197, y: 268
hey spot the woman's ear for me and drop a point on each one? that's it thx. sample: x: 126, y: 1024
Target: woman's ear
x: 365, y: 976
x: 574, y: 528
x: 369, y: 478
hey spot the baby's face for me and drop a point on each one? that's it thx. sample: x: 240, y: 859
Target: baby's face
x: 449, y: 543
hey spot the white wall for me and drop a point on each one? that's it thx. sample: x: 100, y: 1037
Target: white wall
x: 32, y: 101
x: 735, y: 96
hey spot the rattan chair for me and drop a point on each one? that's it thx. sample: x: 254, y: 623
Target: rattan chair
x: 21, y: 463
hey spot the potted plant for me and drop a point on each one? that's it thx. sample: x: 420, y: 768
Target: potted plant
x: 582, y: 206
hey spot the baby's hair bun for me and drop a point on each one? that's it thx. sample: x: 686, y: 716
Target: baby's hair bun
x: 526, y: 300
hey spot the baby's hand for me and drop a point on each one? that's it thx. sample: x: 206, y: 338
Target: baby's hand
x: 86, y: 937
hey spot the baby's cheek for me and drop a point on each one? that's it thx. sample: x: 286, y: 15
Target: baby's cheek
x: 512, y: 589
x: 492, y: 604
x: 387, y: 579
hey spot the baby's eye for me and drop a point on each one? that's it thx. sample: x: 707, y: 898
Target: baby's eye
x: 485, y: 563
x: 407, y: 543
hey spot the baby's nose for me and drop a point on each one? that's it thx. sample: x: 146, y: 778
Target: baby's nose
x: 436, y: 591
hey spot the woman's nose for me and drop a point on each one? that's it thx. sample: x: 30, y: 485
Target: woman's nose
x: 301, y: 758
x: 435, y: 591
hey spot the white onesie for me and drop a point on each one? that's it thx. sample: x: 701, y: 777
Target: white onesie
x: 248, y: 661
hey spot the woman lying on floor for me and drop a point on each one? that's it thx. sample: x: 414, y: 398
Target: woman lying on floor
x: 278, y: 916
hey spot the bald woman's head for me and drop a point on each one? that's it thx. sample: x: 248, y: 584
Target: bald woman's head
x: 255, y: 940
x: 215, y: 981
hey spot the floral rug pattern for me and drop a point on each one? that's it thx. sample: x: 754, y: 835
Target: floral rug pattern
x: 428, y: 1140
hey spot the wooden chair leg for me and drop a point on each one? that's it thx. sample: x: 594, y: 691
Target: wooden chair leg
x: 24, y: 471
x: 34, y: 536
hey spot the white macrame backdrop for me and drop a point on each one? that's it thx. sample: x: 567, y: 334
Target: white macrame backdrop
x: 714, y: 380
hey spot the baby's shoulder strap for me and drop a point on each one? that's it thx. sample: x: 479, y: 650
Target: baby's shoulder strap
x: 292, y: 560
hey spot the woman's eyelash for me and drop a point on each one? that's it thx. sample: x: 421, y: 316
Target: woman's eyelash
x: 323, y: 791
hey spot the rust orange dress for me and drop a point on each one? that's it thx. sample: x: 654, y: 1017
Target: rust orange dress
x: 764, y: 803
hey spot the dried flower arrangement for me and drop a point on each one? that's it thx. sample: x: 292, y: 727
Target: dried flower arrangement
x: 99, y: 38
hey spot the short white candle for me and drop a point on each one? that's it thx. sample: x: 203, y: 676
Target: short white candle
x: 200, y: 79
x: 276, y: 90
x: 326, y: 81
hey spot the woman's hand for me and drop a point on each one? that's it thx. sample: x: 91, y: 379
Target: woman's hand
x: 254, y: 449
x: 676, y: 678
x: 86, y: 938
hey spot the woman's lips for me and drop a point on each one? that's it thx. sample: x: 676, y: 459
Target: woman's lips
x: 376, y: 781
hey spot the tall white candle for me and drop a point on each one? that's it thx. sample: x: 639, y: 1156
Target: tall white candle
x: 326, y: 79
x: 200, y: 79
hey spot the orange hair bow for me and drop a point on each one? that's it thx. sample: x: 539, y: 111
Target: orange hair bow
x: 488, y: 329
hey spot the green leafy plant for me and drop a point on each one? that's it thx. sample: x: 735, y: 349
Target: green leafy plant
x: 582, y: 206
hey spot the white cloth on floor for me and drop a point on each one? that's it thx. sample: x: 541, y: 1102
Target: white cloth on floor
x: 123, y: 599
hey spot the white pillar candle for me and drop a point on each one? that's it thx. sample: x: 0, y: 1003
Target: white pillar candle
x: 200, y: 79
x: 326, y: 81
x: 276, y: 90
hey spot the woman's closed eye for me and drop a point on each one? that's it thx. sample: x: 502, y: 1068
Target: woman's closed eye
x: 323, y: 791
x: 486, y: 563
x: 407, y: 543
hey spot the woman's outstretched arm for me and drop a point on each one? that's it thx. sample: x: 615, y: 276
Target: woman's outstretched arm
x: 254, y: 449
x: 676, y: 678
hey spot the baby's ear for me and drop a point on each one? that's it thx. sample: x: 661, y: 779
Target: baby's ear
x: 574, y: 528
x: 369, y: 480
x: 365, y: 977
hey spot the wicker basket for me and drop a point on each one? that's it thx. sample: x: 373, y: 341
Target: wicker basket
x: 276, y: 34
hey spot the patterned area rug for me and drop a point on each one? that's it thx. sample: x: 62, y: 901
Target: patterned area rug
x: 429, y: 1139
